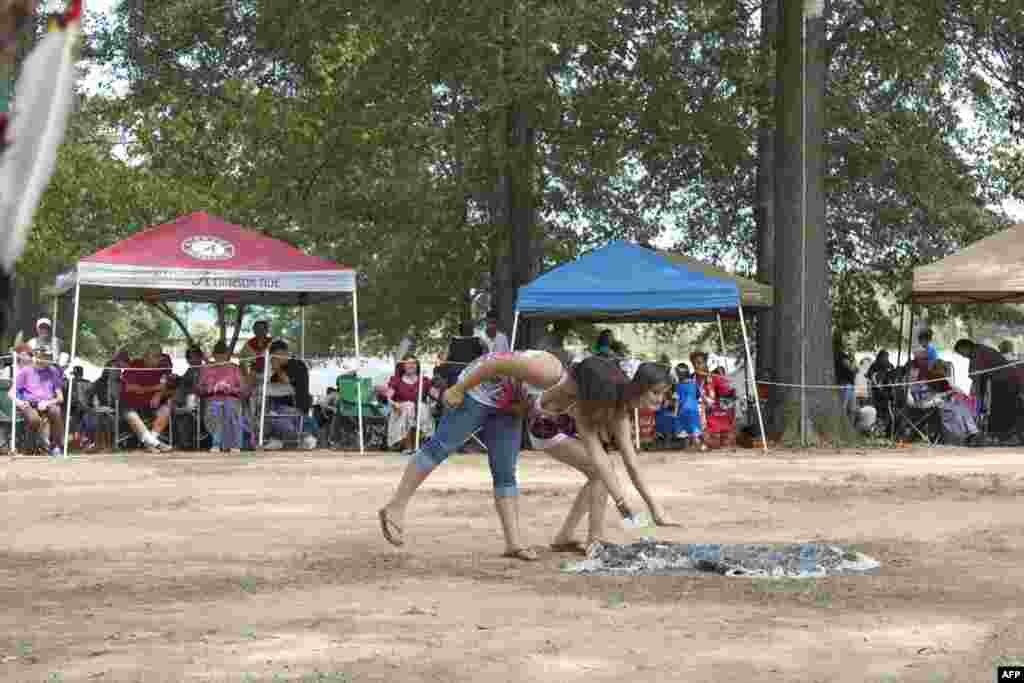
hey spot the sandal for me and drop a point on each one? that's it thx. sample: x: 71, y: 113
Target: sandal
x: 524, y: 554
x: 390, y: 528
x: 577, y: 547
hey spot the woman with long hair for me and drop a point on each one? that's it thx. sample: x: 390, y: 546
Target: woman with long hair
x: 599, y: 396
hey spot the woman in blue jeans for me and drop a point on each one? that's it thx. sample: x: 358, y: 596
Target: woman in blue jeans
x: 497, y: 409
x: 492, y: 388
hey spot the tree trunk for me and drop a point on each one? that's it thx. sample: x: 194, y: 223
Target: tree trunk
x: 765, y: 215
x: 803, y: 317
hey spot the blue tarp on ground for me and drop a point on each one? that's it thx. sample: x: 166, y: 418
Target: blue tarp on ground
x: 628, y: 283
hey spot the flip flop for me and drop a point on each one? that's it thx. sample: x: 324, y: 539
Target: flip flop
x: 524, y: 554
x: 390, y: 528
x: 578, y: 547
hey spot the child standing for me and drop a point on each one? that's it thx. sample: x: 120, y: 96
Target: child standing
x: 688, y: 408
x: 221, y: 387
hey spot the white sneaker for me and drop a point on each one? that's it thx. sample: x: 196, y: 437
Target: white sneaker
x: 153, y: 443
x: 309, y: 442
x: 273, y: 445
x: 236, y: 450
x: 215, y: 449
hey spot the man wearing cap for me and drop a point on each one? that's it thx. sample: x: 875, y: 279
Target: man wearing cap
x: 44, y: 337
x: 37, y: 391
x: 258, y: 345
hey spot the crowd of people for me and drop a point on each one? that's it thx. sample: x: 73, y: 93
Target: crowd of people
x: 221, y: 397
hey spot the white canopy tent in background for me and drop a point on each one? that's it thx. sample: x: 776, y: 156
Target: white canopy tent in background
x: 201, y: 258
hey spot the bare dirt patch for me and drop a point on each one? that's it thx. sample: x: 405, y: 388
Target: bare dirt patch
x: 196, y: 567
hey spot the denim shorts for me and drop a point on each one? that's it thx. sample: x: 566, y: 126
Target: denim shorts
x: 500, y: 432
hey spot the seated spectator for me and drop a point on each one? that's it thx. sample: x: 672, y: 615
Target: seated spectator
x: 104, y: 393
x: 288, y: 399
x: 958, y: 422
x: 144, y: 387
x: 1005, y: 387
x: 221, y: 387
x: 44, y: 337
x: 495, y: 339
x: 37, y: 391
x: 77, y: 391
x: 403, y: 390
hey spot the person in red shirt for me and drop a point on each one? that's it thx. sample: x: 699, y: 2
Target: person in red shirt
x: 402, y: 392
x: 144, y: 386
x: 256, y: 347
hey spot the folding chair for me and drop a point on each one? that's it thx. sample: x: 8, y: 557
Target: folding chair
x: 344, y: 430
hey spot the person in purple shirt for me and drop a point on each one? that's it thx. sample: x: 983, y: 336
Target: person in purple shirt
x: 38, y: 391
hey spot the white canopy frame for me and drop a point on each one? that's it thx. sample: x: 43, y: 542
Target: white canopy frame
x: 750, y: 374
x: 346, y: 281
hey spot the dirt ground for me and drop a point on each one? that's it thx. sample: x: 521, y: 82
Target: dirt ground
x: 201, y: 567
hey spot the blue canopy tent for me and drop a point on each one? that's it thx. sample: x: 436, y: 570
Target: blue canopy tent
x: 624, y: 282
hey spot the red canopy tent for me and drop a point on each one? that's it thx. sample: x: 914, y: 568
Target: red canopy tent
x: 205, y: 259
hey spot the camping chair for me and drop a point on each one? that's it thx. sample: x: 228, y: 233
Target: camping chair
x: 257, y: 406
x: 344, y: 430
x: 30, y: 445
x: 922, y: 417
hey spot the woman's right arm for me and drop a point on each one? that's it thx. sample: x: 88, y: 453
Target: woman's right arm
x: 540, y: 369
x: 602, y: 461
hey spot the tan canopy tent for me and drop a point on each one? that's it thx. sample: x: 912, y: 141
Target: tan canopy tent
x: 753, y: 294
x: 990, y: 271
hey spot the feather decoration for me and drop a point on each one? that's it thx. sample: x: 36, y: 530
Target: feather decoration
x: 44, y: 96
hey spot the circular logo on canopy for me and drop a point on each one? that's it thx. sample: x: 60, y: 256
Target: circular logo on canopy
x: 208, y: 248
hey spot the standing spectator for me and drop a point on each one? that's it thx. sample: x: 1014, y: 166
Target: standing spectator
x: 881, y: 365
x: 221, y: 387
x: 258, y: 345
x: 143, y: 387
x: 44, y: 337
x: 604, y: 343
x: 404, y: 388
x: 462, y: 350
x: 846, y: 377
x: 496, y: 340
x: 720, y: 399
x: 37, y: 392
x: 932, y: 353
x: 1006, y: 383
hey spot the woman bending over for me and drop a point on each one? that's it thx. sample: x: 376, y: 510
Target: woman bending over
x: 573, y: 415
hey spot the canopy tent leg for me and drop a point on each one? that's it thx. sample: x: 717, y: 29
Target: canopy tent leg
x: 753, y: 380
x: 899, y: 348
x: 14, y: 393
x: 74, y: 350
x: 359, y: 364
x: 419, y: 401
x: 302, y: 332
x: 636, y: 427
x: 515, y: 328
x: 721, y: 336
x: 263, y: 396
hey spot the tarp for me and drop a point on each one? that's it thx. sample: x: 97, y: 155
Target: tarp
x: 989, y: 271
x: 624, y: 282
x: 205, y: 259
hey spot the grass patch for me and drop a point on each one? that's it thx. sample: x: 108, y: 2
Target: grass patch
x: 1005, y: 660
x: 249, y: 583
x: 321, y: 677
x: 23, y: 648
x: 888, y: 678
x: 55, y: 677
x: 249, y: 633
x: 784, y: 585
x: 616, y: 600
x: 823, y: 600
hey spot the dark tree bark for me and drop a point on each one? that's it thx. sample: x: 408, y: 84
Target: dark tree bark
x: 801, y: 264
x: 766, y: 188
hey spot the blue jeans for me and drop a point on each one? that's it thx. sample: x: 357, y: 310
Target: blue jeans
x: 502, y: 435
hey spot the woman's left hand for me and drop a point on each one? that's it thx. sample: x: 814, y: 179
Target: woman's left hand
x: 661, y: 519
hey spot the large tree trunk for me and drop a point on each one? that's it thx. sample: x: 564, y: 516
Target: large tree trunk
x: 766, y: 187
x: 803, y: 325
